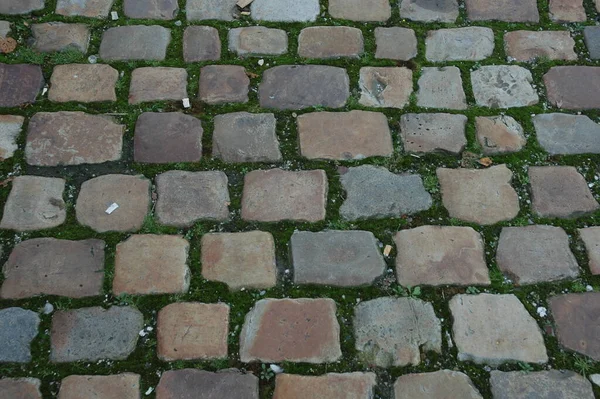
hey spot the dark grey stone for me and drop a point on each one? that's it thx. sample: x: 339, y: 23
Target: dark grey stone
x: 555, y: 384
x: 18, y: 327
x: 19, y: 84
x: 567, y: 134
x: 135, y: 42
x: 591, y: 34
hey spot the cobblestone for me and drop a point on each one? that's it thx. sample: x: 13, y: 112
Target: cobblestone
x: 223, y: 84
x: 361, y: 10
x: 591, y: 35
x: 201, y: 43
x: 395, y: 43
x: 257, y: 40
x: 157, y: 84
x: 18, y: 328
x: 567, y: 134
x: 591, y: 239
x: 20, y: 388
x: 433, y: 133
x: 285, y: 10
x: 499, y: 134
x: 385, y: 87
x: 58, y: 36
x: 135, y: 42
x: 503, y: 86
x: 428, y: 11
x: 567, y: 10
x: 85, y: 8
x: 19, y: 84
x: 441, y: 88
x: 151, y: 9
x: 125, y: 386
x: 12, y: 7
x: 199, y: 10
x: 524, y: 45
x: 83, y: 83
x: 330, y: 386
x: 202, y: 384
x: 459, y: 44
x: 562, y: 383
x: 439, y: 384
x: 10, y: 128
x: 506, y: 10
x: 330, y: 42
x: 569, y: 87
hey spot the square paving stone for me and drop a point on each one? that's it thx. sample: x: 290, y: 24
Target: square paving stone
x: 577, y: 317
x: 524, y: 45
x: 285, y: 10
x: 122, y: 386
x: 433, y: 133
x: 10, y: 129
x: 503, y: 86
x: 535, y: 254
x: 591, y: 35
x: 503, y: 10
x: 167, y: 137
x: 57, y: 36
x: 91, y: 334
x: 85, y: 8
x: 499, y: 134
x: 560, y: 192
x: 437, y: 385
x: 573, y: 87
x: 441, y: 88
x: 330, y: 42
x: 383, y: 87
x: 245, y: 137
x: 275, y: 195
x: 18, y: 327
x: 201, y: 43
x: 157, y: 84
x: 189, y: 331
x: 482, y: 196
x: 20, y: 388
x: 135, y: 42
x: 330, y: 386
x: 472, y: 43
x: 257, y: 40
x: 47, y: 266
x: 19, y: 84
x: 151, y: 264
x: 429, y: 10
x: 200, y: 384
x: 591, y: 239
x: 221, y: 84
x: 361, y: 10
x: 15, y: 7
x: 563, y: 384
x: 440, y: 255
x: 495, y: 329
x: 130, y: 193
x: 151, y: 9
x: 395, y: 43
x: 34, y: 203
x: 567, y: 134
x: 567, y: 11
x: 83, y: 83
x: 240, y: 260
x: 198, y: 10
x: 186, y: 197
x: 72, y: 138
x: 293, y: 330
x: 334, y: 257
x: 393, y: 331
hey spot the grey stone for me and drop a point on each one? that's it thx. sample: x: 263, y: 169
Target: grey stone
x: 85, y: 8
x: 375, y: 192
x: 83, y: 83
x: 199, y: 10
x: 505, y: 10
x: 385, y: 87
x: 595, y: 378
x: 257, y: 40
x: 393, y: 331
x: 57, y: 36
x: 559, y: 384
x: 525, y: 45
x: 15, y: 7
x: 4, y: 29
x: 352, y: 385
x: 535, y: 254
x: 135, y: 42
x: 201, y: 43
x: 221, y: 84
x: 471, y: 43
x: 591, y: 238
x: 157, y: 84
x: 437, y: 385
x: 441, y: 88
x: 433, y: 132
x: 338, y: 258
x: 395, y: 43
x: 18, y: 327
x: 200, y: 384
x: 19, y: 84
x: 503, y: 86
x: 495, y: 329
x: 361, y: 10
x: 20, y: 388
x: 92, y: 334
x: 34, y: 203
x: 245, y: 137
x: 429, y: 10
x: 151, y: 9
x: 499, y: 134
x: 567, y: 134
x: 330, y: 42
x: 285, y: 10
x: 591, y: 35
x: 302, y: 86
x: 569, y: 87
x: 562, y: 11
x: 10, y: 128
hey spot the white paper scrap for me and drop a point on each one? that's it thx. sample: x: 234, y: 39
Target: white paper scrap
x: 113, y: 207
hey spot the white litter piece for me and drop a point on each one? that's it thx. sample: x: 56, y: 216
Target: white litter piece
x: 542, y: 311
x: 48, y: 308
x: 44, y: 91
x: 276, y: 369
x: 387, y: 250
x: 114, y: 15
x: 113, y: 207
x: 261, y: 62
x: 149, y: 391
x: 589, y: 288
x: 186, y: 103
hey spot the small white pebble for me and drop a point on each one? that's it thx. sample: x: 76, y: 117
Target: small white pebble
x: 142, y: 333
x: 589, y: 288
x: 178, y: 23
x: 48, y: 308
x: 261, y: 62
x: 276, y: 369
x: 149, y: 391
x: 542, y: 311
x: 92, y: 59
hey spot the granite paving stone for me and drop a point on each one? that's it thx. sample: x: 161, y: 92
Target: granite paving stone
x: 433, y: 132
x: 201, y: 43
x: 528, y: 46
x: 12, y: 7
x: 429, y: 10
x: 567, y: 11
x: 395, y: 43
x: 58, y: 36
x: 330, y: 42
x: 573, y: 87
x: 285, y: 10
x: 330, y: 386
x: 151, y: 9
x: 83, y: 83
x: 591, y: 239
x: 436, y: 385
x: 200, y: 384
x: 199, y: 10
x: 135, y: 42
x: 85, y: 8
x: 19, y: 84
x: 252, y: 41
x: 157, y: 84
x: 591, y: 35
x: 441, y: 88
x: 18, y: 328
x: 123, y: 386
x: 499, y: 134
x: 459, y: 44
x: 10, y: 129
x: 567, y: 134
x: 224, y: 84
x: 385, y: 87
x: 563, y: 384
x: 503, y: 10
x: 361, y: 10
x: 5, y: 29
x: 503, y: 86
x: 20, y: 388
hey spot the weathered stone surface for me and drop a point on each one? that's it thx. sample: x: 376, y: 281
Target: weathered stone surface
x: 591, y: 239
x: 392, y: 331
x: 151, y: 264
x: 479, y: 196
x: 595, y: 378
x: 199, y: 10
x: 494, y: 329
x: 441, y: 88
x: 472, y: 43
x: 573, y: 87
x: 124, y: 386
x: 18, y: 327
x: 437, y: 385
x: 167, y: 137
x: 47, y: 266
x: 4, y: 29
x: 245, y: 137
x: 591, y: 35
x: 240, y: 260
x: 274, y: 195
x: 189, y: 331
x: 433, y: 132
x: 504, y: 10
x: 34, y: 203
x: 375, y: 192
x: 186, y: 197
x: 200, y: 384
x: 429, y: 11
x: 83, y: 83
x: 72, y: 138
x: 257, y: 40
x: 14, y: 7
x: 20, y: 388
x: 224, y: 84
x: 560, y: 192
x: 85, y: 8
x: 385, y: 87
x: 285, y: 10
x: 95, y: 333
x: 563, y: 384
x: 131, y: 193
x: 361, y: 10
x: 58, y: 36
x: 330, y: 42
x: 503, y: 86
x: 157, y: 84
x: 151, y: 9
x: 303, y: 86
x: 10, y: 128
x: 525, y: 45
x: 395, y: 43
x: 330, y: 386
x: 440, y: 255
x: 567, y: 134
x: 201, y: 43
x: 344, y: 135
x: 19, y: 84
x: 567, y: 11
x: 338, y: 258
x: 577, y: 317
x: 535, y: 254
x: 499, y: 134
x: 135, y: 42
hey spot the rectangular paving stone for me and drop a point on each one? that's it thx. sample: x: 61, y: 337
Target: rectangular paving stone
x: 330, y: 42
x: 5, y: 29
x: 10, y: 129
x: 221, y: 84
x: 395, y: 43
x: 429, y: 11
x: 472, y: 43
x: 328, y: 386
x: 567, y: 134
x: 19, y: 84
x: 20, y: 388
x: 385, y: 87
x: 83, y: 83
x: 47, y: 266
x: 564, y: 384
x: 525, y: 45
x: 438, y: 384
x: 157, y: 84
x: 361, y: 10
x: 591, y: 35
x: 201, y: 43
x: 135, y: 42
x: 433, y: 132
x: 151, y: 9
x: 344, y: 135
x: 285, y: 10
x: 199, y: 10
x: 122, y: 386
x: 503, y: 86
x: 58, y: 36
x: 573, y: 87
x: 18, y: 328
x: 257, y: 41
x: 503, y: 10
x: 15, y: 7
x: 591, y: 238
x: 200, y: 384
x: 441, y: 88
x: 499, y: 134
x: 567, y: 11
x: 85, y: 8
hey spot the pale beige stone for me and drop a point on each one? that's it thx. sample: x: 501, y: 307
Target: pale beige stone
x: 83, y: 83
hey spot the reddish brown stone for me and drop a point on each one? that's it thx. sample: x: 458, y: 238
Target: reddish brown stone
x: 499, y: 134
x: 525, y: 45
x: 385, y: 86
x: 58, y: 36
x: 83, y: 83
x: 330, y: 42
x: 567, y: 11
x: 121, y: 386
x: 86, y: 8
x: 328, y: 386
x: 200, y: 384
x: 395, y: 43
x: 19, y: 84
x: 20, y: 388
x: 591, y: 239
x: 503, y: 10
x: 224, y: 84
x: 573, y: 87
x: 157, y: 84
x: 201, y: 43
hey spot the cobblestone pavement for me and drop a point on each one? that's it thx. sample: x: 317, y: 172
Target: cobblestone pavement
x: 300, y: 199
